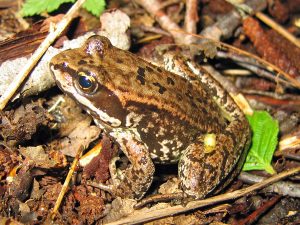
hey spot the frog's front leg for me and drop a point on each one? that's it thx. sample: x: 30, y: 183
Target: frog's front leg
x: 137, y: 178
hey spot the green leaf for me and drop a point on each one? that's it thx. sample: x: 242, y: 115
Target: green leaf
x: 36, y: 7
x: 96, y: 7
x: 264, y: 141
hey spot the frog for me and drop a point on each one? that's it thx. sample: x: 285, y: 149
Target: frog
x: 156, y: 115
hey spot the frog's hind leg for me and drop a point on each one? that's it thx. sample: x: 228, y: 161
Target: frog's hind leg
x: 202, y: 167
x: 134, y: 181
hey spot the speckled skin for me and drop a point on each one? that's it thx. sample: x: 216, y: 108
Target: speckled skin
x: 157, y: 116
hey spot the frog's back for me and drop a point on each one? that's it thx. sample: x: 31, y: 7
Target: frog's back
x: 168, y: 111
x: 135, y: 81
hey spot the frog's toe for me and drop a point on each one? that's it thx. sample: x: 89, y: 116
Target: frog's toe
x: 113, y: 170
x: 121, y: 190
x: 104, y: 187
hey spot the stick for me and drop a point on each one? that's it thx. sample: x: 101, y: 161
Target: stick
x: 140, y: 217
x: 12, y: 88
x: 154, y: 8
x: 191, y: 16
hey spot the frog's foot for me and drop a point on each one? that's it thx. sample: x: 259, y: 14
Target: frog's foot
x: 204, y: 165
x: 113, y: 172
x: 135, y: 180
x: 172, y: 197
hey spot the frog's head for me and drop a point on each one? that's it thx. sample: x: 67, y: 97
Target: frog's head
x: 81, y: 74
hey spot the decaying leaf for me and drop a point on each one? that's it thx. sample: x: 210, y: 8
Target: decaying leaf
x: 41, y: 159
x: 19, y: 125
x: 76, y: 128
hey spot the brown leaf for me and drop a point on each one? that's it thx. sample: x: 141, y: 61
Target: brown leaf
x: 266, y: 48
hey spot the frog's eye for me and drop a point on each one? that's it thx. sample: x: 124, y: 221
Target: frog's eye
x: 86, y: 83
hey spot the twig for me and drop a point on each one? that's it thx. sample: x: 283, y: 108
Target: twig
x: 12, y: 88
x: 191, y: 16
x: 282, y: 187
x: 291, y: 154
x: 266, y: 98
x: 263, y: 73
x: 66, y: 183
x: 290, y: 142
x: 149, y: 38
x: 267, y: 20
x: 155, y: 30
x: 250, y: 64
x: 191, y: 19
x: 154, y: 8
x: 88, y: 157
x: 227, y: 24
x: 283, y: 97
x: 253, y: 217
x: 236, y: 72
x: 140, y: 217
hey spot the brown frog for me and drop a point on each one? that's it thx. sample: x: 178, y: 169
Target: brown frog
x: 156, y: 116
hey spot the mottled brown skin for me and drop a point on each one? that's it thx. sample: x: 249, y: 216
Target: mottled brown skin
x: 156, y: 115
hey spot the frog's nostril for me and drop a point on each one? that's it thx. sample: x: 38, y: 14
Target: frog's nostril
x: 54, y: 67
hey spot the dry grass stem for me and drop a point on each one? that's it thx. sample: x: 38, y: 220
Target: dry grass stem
x: 66, y: 183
